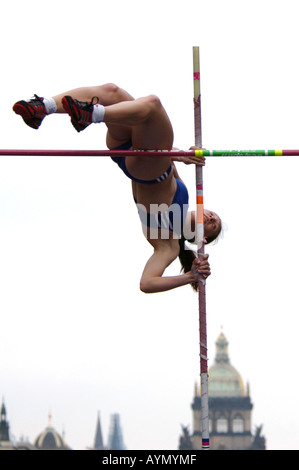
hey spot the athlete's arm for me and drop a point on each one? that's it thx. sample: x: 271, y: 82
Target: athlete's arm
x: 152, y: 279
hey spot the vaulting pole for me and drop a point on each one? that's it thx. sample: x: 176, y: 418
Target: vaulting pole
x: 200, y: 251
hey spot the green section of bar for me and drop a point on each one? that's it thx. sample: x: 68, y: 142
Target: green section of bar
x: 241, y: 153
x: 223, y: 153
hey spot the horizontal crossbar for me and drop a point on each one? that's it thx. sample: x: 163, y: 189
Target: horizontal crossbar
x: 150, y: 153
x: 247, y: 153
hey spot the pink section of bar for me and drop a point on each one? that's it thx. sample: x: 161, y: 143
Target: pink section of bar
x: 95, y: 153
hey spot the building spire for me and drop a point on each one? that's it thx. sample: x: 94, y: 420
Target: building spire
x: 4, y: 426
x: 221, y: 349
x: 98, y: 440
x: 115, y: 436
x: 3, y: 411
x: 49, y: 419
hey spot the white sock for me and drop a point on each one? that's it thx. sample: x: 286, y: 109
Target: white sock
x: 98, y: 113
x: 50, y: 105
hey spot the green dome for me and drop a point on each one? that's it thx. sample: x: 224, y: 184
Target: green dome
x: 224, y: 379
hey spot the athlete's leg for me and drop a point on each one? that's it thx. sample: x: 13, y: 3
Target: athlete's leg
x: 151, y: 130
x: 35, y: 110
x: 79, y: 104
x: 146, y: 118
x: 143, y: 121
x: 107, y: 95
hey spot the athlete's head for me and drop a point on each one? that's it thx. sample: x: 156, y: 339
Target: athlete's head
x: 212, y: 226
x: 212, y: 230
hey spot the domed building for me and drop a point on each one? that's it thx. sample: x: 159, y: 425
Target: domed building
x: 224, y: 379
x: 50, y: 439
x: 230, y: 407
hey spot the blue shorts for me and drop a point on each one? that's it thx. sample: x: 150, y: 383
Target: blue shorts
x: 121, y: 161
x: 171, y: 218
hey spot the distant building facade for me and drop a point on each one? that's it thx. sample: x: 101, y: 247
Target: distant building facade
x: 230, y: 408
x: 5, y: 443
x: 115, y: 438
x: 50, y: 439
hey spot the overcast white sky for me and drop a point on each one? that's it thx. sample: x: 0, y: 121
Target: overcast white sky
x: 77, y: 336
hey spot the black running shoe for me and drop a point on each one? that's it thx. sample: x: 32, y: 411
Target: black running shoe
x: 79, y: 111
x: 32, y: 111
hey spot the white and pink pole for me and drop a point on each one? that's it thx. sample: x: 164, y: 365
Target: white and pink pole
x: 200, y: 251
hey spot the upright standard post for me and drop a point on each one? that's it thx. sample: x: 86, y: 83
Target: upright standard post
x: 200, y: 251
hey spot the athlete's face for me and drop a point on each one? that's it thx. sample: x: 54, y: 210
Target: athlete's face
x: 212, y: 224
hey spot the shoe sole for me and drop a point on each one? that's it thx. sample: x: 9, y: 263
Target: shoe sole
x: 21, y: 108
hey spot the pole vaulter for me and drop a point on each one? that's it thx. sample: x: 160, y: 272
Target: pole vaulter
x: 122, y: 112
